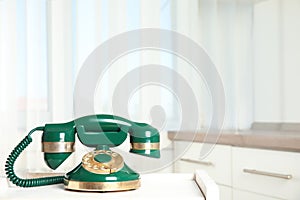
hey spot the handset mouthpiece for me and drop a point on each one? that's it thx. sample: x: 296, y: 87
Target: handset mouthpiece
x: 58, y: 142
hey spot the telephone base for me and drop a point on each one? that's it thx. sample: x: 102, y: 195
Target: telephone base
x: 102, y: 186
x: 83, y: 178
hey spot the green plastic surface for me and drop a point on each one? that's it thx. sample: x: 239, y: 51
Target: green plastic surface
x: 54, y: 160
x: 80, y: 174
x: 112, y: 130
x: 94, y: 130
x: 59, y: 132
x: 103, y: 158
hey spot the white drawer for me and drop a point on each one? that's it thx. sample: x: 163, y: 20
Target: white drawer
x: 217, y: 164
x: 243, y: 195
x: 271, y: 163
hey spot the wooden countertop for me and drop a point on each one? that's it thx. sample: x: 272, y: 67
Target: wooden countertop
x: 274, y: 140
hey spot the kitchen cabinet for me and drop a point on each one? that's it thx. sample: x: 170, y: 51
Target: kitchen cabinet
x: 217, y: 164
x: 225, y: 192
x: 245, y: 173
x: 267, y: 172
x: 244, y: 195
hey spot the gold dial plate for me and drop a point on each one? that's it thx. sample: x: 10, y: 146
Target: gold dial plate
x: 90, y: 164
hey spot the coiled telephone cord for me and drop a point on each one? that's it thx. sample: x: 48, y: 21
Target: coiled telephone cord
x: 9, y: 166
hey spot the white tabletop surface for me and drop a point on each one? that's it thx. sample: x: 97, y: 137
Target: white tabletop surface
x: 153, y: 186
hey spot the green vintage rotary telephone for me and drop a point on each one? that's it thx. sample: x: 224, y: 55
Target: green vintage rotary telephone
x: 101, y: 169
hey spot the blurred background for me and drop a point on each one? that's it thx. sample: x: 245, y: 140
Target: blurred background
x: 43, y: 44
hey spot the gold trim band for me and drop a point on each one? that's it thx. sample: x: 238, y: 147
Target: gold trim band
x: 102, y: 186
x: 145, y: 146
x: 57, y: 147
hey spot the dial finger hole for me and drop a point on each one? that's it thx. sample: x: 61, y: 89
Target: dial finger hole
x: 95, y: 167
x: 114, y: 154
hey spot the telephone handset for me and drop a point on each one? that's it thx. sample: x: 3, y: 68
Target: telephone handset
x: 101, y: 169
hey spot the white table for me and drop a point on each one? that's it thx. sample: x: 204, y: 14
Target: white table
x: 153, y: 186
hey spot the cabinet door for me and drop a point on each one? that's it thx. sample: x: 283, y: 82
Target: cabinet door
x: 243, y: 195
x: 217, y: 164
x: 225, y: 192
x: 267, y: 172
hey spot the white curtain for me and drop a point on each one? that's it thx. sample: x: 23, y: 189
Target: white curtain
x: 224, y: 29
x: 23, y: 73
x: 43, y: 45
x: 276, y: 61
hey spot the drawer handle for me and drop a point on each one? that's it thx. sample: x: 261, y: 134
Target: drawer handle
x: 276, y: 175
x: 207, y: 163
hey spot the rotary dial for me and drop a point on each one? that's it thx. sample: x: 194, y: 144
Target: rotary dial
x: 102, y: 162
